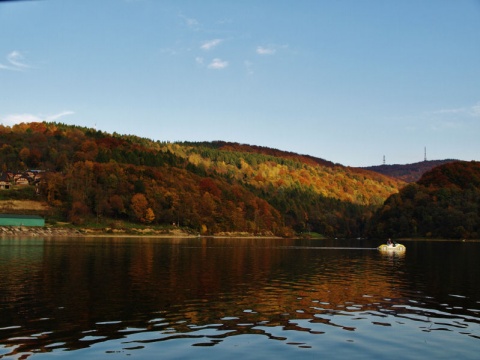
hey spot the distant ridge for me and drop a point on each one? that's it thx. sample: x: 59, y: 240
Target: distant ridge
x: 408, y: 172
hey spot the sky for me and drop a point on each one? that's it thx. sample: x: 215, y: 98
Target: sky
x: 347, y: 81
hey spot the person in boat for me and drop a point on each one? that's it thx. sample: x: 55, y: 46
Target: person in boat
x: 390, y: 242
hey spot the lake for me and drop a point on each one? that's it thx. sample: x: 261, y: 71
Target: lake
x: 213, y: 298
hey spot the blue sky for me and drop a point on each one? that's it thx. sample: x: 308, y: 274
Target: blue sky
x: 345, y: 80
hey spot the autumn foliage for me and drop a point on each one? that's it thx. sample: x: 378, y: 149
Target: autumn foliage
x: 207, y: 187
x: 444, y: 203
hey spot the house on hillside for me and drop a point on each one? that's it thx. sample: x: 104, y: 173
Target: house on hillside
x: 36, y: 176
x: 8, y: 180
x: 5, y: 181
x: 22, y: 179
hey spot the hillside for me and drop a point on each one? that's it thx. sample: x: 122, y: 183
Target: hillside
x: 444, y: 203
x: 408, y: 172
x: 255, y: 149
x: 86, y: 175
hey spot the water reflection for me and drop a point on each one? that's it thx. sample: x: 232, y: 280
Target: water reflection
x: 118, y: 296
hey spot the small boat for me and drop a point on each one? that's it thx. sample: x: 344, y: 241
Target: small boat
x: 392, y: 247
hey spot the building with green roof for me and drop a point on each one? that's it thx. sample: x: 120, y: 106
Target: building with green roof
x: 21, y: 220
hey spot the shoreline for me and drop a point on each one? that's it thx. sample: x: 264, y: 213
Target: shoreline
x: 24, y: 231
x: 59, y: 231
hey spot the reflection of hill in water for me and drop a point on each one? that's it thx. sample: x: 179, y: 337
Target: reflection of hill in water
x: 20, y: 260
x: 175, y: 288
x: 20, y: 251
x: 226, y: 276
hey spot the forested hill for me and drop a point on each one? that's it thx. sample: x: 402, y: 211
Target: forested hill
x: 87, y: 175
x: 444, y: 203
x: 409, y: 172
x: 229, y: 146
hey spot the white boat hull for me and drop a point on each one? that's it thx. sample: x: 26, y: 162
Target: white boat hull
x: 392, y: 248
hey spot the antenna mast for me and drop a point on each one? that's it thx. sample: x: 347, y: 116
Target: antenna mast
x: 383, y: 159
x: 425, y: 154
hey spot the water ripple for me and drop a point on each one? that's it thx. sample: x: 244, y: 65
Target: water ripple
x: 212, y: 302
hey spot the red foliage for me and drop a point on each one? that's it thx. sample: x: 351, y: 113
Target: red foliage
x: 208, y: 185
x: 459, y: 174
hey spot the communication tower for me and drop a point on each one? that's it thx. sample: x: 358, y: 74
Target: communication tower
x: 425, y: 154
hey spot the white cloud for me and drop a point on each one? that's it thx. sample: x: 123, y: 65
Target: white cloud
x: 452, y: 118
x: 444, y: 124
x: 218, y: 64
x: 59, y: 115
x: 446, y: 119
x: 20, y: 118
x: 209, y: 45
x: 13, y: 119
x: 4, y: 67
x: 262, y: 50
x: 16, y: 62
x: 449, y: 111
x: 191, y: 23
x: 199, y: 60
x: 224, y: 21
x: 270, y: 49
x: 473, y: 111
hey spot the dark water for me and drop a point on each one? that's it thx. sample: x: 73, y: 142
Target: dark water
x: 109, y: 298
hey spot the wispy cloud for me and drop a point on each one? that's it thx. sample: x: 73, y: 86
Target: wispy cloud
x: 454, y: 118
x: 169, y: 51
x: 266, y: 50
x: 218, y: 64
x: 59, y: 115
x: 225, y: 21
x: 191, y: 23
x: 17, y: 59
x: 471, y: 111
x: 475, y: 110
x: 444, y: 119
x: 210, y: 44
x: 450, y: 118
x: 271, y: 49
x: 15, y: 62
x: 13, y: 119
x: 248, y: 67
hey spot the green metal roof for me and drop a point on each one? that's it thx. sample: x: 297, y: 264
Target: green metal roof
x: 21, y: 220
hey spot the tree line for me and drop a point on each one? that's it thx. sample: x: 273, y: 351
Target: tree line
x: 207, y: 187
